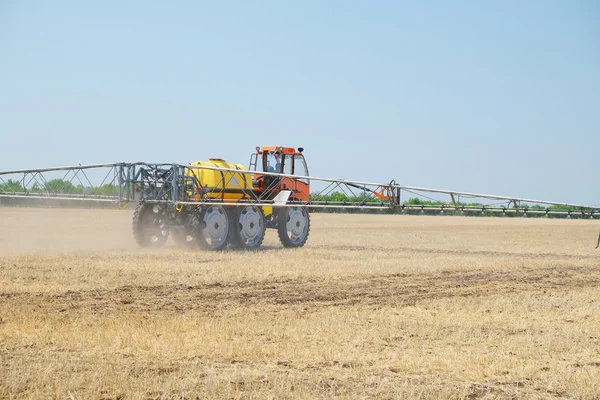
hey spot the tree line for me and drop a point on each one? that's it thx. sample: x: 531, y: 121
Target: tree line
x: 419, y: 206
x: 58, y: 186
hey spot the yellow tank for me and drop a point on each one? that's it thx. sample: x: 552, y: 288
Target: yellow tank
x: 213, y: 181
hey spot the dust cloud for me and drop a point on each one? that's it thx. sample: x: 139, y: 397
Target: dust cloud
x: 57, y: 230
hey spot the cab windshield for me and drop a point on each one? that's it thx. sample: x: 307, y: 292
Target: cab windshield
x: 292, y: 164
x: 272, y: 162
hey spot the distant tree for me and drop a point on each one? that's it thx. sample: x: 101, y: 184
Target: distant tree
x: 108, y: 190
x: 11, y: 186
x: 60, y: 186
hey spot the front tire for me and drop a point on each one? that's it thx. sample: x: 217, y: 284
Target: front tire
x: 293, y: 226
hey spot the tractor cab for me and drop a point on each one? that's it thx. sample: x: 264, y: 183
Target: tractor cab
x: 280, y: 160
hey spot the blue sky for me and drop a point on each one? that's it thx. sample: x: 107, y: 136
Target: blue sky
x: 499, y: 98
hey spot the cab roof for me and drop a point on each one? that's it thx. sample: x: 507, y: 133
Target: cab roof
x: 280, y: 149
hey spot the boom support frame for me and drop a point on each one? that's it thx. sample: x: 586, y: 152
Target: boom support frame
x: 165, y: 183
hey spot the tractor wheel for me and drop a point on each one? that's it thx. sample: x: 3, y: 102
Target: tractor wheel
x: 148, y: 226
x: 185, y: 236
x: 212, y: 228
x: 184, y: 239
x: 293, y: 226
x: 247, y: 227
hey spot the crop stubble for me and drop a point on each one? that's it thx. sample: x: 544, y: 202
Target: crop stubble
x: 373, y: 306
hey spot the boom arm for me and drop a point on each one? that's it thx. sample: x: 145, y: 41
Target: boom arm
x: 169, y: 183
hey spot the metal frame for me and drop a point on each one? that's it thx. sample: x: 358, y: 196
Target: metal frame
x: 170, y: 184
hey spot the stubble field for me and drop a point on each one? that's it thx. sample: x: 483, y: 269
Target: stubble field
x: 373, y: 306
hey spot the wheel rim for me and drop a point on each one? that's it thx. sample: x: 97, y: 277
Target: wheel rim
x: 251, y: 226
x: 215, y: 226
x: 153, y: 221
x: 297, y: 225
x: 185, y: 238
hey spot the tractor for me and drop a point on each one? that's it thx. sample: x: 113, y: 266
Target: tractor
x: 222, y: 207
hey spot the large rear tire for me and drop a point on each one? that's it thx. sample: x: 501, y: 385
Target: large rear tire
x: 247, y: 227
x: 149, y: 225
x: 293, y: 226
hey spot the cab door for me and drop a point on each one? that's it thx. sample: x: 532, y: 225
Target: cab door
x: 295, y: 165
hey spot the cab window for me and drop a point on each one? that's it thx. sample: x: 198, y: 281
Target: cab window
x: 288, y: 165
x: 300, y: 166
